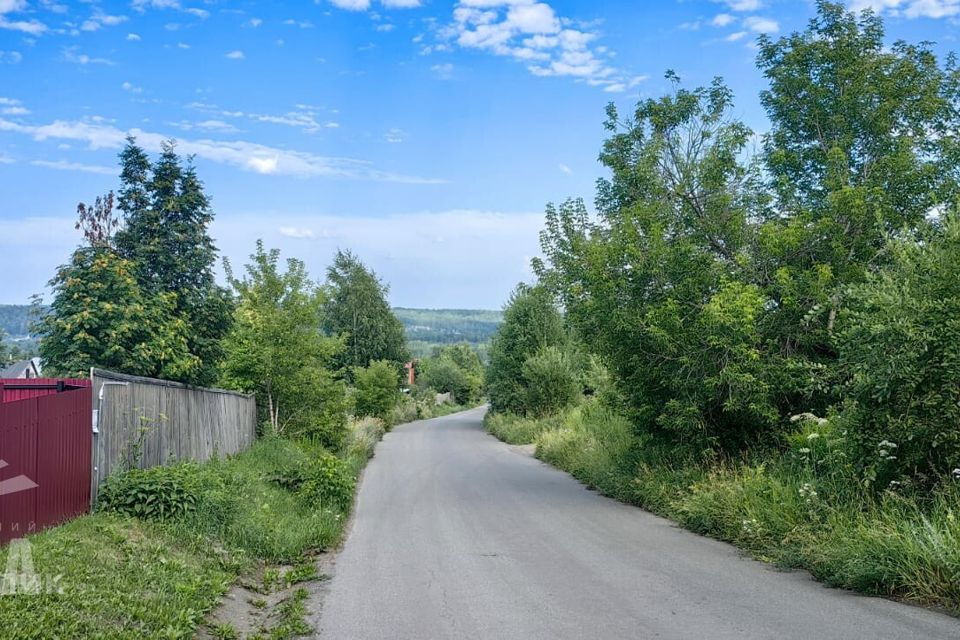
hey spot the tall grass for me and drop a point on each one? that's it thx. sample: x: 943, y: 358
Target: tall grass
x: 124, y: 577
x: 800, y: 508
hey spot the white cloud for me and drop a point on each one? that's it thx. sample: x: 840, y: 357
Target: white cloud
x: 743, y: 5
x: 761, y: 25
x: 736, y: 36
x: 203, y: 14
x: 9, y: 6
x: 70, y: 54
x: 4, y: 159
x: 385, y: 27
x: 910, y: 8
x: 64, y: 165
x: 10, y: 57
x: 235, y: 55
x: 565, y: 169
x: 395, y: 136
x: 533, y: 33
x: 722, y: 19
x: 363, y: 5
x: 15, y: 111
x: 250, y: 156
x: 31, y: 27
x: 443, y: 71
x: 297, y: 232
x: 133, y: 37
x: 129, y: 86
x: 254, y: 22
x: 98, y: 20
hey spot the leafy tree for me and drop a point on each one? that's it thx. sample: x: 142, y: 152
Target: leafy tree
x: 531, y: 322
x: 552, y: 381
x: 167, y: 215
x: 899, y: 340
x: 860, y: 147
x: 376, y: 389
x: 101, y: 317
x: 659, y: 284
x: 357, y: 309
x: 454, y: 369
x: 276, y: 350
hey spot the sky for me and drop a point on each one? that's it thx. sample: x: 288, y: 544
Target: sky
x: 425, y: 135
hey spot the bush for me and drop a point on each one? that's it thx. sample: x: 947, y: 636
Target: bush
x: 900, y: 344
x: 157, y: 493
x: 377, y: 389
x: 552, y: 382
x: 327, y: 481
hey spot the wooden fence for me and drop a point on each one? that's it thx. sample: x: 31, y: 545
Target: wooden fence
x: 146, y: 422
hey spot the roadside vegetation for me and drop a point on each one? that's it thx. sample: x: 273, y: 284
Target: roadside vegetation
x: 762, y: 347
x: 325, y: 361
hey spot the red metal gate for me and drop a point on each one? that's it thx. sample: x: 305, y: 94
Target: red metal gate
x: 45, y: 447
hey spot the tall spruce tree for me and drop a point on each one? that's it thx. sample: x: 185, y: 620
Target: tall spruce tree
x: 167, y: 217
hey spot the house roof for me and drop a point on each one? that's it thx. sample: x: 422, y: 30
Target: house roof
x: 16, y: 369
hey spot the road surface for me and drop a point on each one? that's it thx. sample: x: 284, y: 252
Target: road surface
x: 457, y: 535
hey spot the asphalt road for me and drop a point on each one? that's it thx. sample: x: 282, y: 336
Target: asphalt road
x: 458, y: 535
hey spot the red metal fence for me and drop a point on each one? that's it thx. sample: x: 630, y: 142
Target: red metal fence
x: 45, y: 448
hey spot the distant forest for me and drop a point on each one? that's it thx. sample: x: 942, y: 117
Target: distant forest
x: 426, y: 328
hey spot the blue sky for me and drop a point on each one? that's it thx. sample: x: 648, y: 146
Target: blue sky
x: 426, y: 135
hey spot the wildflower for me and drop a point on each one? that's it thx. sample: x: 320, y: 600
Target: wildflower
x: 808, y: 493
x: 956, y: 474
x: 804, y: 450
x: 813, y: 436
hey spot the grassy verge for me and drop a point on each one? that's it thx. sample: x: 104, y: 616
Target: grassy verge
x: 798, y: 510
x: 115, y: 575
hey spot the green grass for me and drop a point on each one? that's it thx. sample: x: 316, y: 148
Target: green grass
x: 122, y: 577
x: 786, y: 509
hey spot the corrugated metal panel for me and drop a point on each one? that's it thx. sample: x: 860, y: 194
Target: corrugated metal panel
x: 13, y: 389
x: 45, y: 446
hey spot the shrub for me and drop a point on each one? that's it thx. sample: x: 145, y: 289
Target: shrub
x: 900, y: 344
x: 552, y: 382
x: 376, y: 389
x: 157, y: 493
x: 327, y: 482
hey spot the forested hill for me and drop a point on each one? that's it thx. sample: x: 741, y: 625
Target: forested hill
x: 434, y: 326
x: 449, y: 325
x: 15, y: 319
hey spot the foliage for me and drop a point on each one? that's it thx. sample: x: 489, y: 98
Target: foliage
x: 276, y: 350
x: 128, y: 577
x: 101, y: 317
x: 328, y: 482
x: 552, y: 381
x: 157, y: 493
x: 530, y: 323
x: 656, y: 286
x: 900, y: 344
x: 454, y: 369
x: 858, y: 148
x: 376, y: 389
x: 167, y: 215
x: 356, y: 308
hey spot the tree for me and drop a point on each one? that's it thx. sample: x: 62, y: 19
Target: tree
x: 531, y: 322
x: 454, y: 369
x: 276, y: 350
x: 376, y: 389
x: 659, y: 286
x: 167, y: 215
x: 101, y: 317
x: 357, y: 309
x: 552, y: 381
x: 861, y: 146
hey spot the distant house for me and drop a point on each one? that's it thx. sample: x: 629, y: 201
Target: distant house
x: 22, y: 369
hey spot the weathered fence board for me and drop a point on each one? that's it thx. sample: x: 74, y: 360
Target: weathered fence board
x: 145, y: 422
